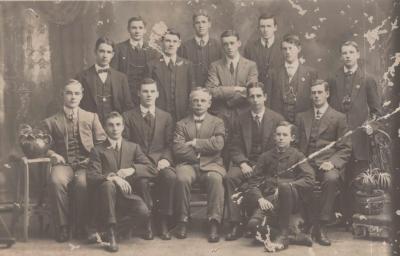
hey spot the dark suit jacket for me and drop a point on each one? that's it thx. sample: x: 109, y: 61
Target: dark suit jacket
x: 103, y: 162
x: 161, y: 142
x: 182, y: 74
x: 209, y: 143
x: 90, y: 131
x: 254, y: 51
x: 241, y: 141
x: 221, y: 82
x: 365, y: 101
x: 333, y: 125
x: 301, y: 80
x: 189, y: 50
x: 121, y: 96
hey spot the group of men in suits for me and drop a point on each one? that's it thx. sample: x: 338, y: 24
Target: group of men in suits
x: 202, y: 111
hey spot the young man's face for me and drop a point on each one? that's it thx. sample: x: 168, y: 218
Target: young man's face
x: 200, y: 102
x: 283, y: 136
x: 72, y: 95
x: 230, y: 46
x: 350, y: 55
x: 290, y: 52
x: 104, y: 54
x: 171, y: 44
x: 257, y: 98
x: 201, y: 26
x: 267, y: 28
x: 114, y: 127
x: 148, y: 94
x: 319, y: 95
x: 137, y: 30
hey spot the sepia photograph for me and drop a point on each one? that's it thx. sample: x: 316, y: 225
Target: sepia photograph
x: 200, y: 127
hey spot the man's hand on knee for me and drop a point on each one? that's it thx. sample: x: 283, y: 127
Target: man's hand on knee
x: 265, y: 204
x: 122, y: 184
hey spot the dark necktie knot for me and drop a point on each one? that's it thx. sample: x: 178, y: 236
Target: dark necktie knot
x: 318, y: 115
x: 102, y: 70
x: 198, y: 121
x: 257, y: 118
x: 348, y: 73
x: 231, y: 68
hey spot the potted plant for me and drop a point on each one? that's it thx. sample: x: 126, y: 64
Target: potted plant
x: 370, y: 191
x: 34, y: 142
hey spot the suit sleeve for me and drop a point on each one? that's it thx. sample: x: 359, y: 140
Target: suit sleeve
x: 373, y: 99
x: 46, y: 127
x: 305, y: 178
x: 192, y: 80
x: 127, y: 128
x: 115, y: 61
x: 253, y: 73
x: 237, y: 147
x: 215, y: 143
x: 98, y: 131
x: 343, y: 147
x: 182, y: 152
x: 126, y: 94
x: 276, y: 97
x: 217, y: 90
x: 142, y: 165
x: 94, y: 172
x: 168, y: 137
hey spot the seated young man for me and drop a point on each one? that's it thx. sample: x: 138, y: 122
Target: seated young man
x: 112, y: 167
x: 281, y: 190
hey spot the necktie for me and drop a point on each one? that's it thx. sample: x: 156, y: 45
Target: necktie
x: 266, y: 44
x: 116, y: 147
x: 318, y: 115
x: 148, y: 117
x: 170, y: 64
x: 202, y: 43
x: 102, y: 70
x: 232, y: 68
x: 348, y: 73
x: 258, y: 120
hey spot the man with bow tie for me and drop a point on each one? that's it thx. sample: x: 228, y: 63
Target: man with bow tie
x: 132, y: 55
x: 265, y: 50
x: 318, y: 127
x: 106, y: 89
x: 290, y: 83
x: 74, y: 132
x: 153, y: 128
x: 197, y: 145
x: 252, y: 135
x: 174, y: 77
x: 113, y: 166
x: 201, y: 50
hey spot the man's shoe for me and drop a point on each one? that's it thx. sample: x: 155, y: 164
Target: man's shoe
x: 181, y: 230
x: 113, y: 246
x: 213, y: 236
x: 301, y: 239
x: 252, y: 227
x: 165, y: 235
x: 149, y: 231
x: 283, y: 241
x: 234, y: 234
x: 320, y: 236
x: 92, y: 238
x: 63, y: 234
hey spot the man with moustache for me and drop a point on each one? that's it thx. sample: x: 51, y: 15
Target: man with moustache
x: 132, y: 55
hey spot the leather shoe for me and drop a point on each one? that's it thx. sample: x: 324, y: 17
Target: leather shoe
x: 234, y: 234
x: 165, y: 235
x: 319, y: 235
x: 113, y: 246
x: 282, y: 240
x: 301, y: 239
x: 252, y: 227
x: 213, y: 236
x: 63, y: 234
x: 149, y: 231
x: 181, y: 230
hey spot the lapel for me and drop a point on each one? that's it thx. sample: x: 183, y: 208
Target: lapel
x: 141, y: 126
x: 230, y: 79
x: 308, y: 118
x: 157, y: 124
x: 204, y: 128
x: 80, y: 123
x: 241, y: 70
x: 125, y: 154
x: 267, y: 128
x: 91, y: 77
x: 114, y: 84
x: 109, y: 154
x: 246, y: 130
x: 62, y: 127
x: 324, y: 123
x: 355, y: 87
x: 191, y: 127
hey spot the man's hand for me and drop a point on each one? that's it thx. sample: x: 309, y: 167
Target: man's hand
x: 368, y: 129
x: 265, y: 204
x: 191, y: 143
x: 58, y: 158
x: 163, y: 163
x: 123, y: 173
x: 122, y: 184
x: 326, y: 166
x: 246, y: 170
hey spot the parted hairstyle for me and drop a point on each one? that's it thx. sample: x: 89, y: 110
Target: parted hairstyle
x: 113, y: 114
x: 199, y: 89
x: 255, y: 85
x: 320, y: 81
x: 136, y: 18
x: 172, y: 31
x: 266, y: 16
x: 201, y: 12
x: 71, y: 82
x: 147, y: 80
x: 292, y: 39
x: 104, y: 40
x: 230, y: 32
x: 350, y: 43
x: 292, y: 127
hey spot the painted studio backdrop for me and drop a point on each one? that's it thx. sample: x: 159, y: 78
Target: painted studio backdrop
x: 44, y: 43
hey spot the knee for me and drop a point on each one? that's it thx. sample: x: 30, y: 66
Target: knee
x: 284, y: 187
x: 214, y: 178
x: 80, y: 181
x: 58, y: 177
x: 143, y: 211
x: 107, y: 187
x: 168, y: 175
x: 182, y: 178
x: 331, y: 177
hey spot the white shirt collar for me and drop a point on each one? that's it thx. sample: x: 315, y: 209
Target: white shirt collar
x: 113, y: 142
x: 259, y: 114
x: 205, y: 39
x: 270, y: 41
x: 136, y: 43
x: 144, y: 110
x: 97, y: 67
x: 235, y: 61
x: 352, y: 70
x: 167, y: 59
x: 199, y: 117
x: 322, y: 109
x: 68, y: 111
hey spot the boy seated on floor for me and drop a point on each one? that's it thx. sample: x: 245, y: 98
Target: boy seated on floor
x: 281, y: 191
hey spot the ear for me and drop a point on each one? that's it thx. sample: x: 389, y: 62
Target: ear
x: 240, y: 43
x: 293, y: 138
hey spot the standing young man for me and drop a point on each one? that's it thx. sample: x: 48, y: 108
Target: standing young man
x: 106, y: 89
x: 153, y: 129
x: 201, y: 50
x: 132, y: 55
x: 174, y: 77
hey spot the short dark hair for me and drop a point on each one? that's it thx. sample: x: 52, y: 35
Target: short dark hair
x: 266, y: 16
x: 256, y: 85
x: 320, y: 81
x: 230, y: 32
x: 113, y: 114
x: 292, y: 39
x: 199, y: 89
x: 104, y: 40
x: 136, y: 18
x: 350, y: 43
x: 147, y: 80
x: 172, y: 31
x: 201, y: 12
x: 292, y: 127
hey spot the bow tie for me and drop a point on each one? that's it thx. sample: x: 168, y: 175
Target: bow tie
x: 198, y: 121
x: 348, y: 73
x: 102, y: 70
